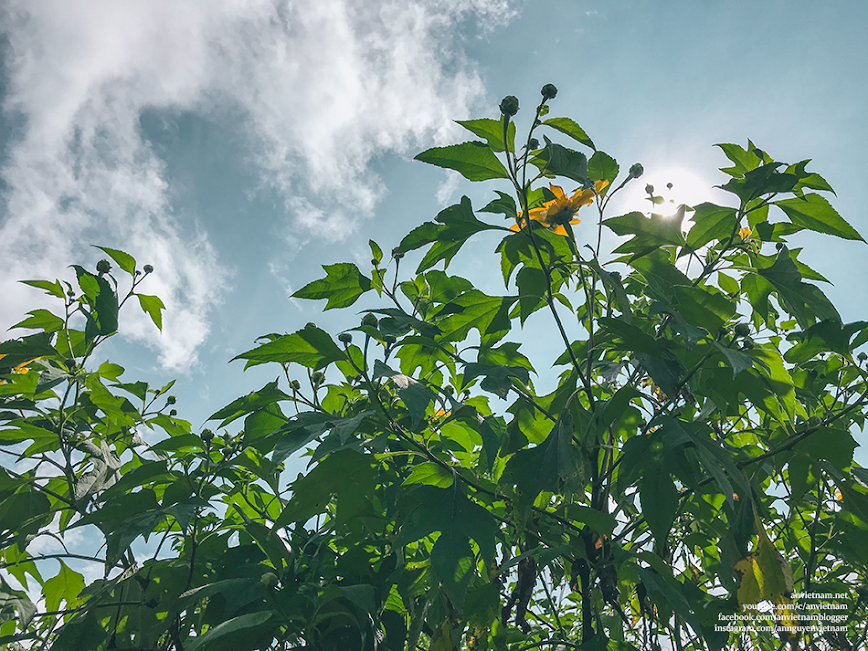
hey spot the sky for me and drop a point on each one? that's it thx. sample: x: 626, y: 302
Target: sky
x: 237, y: 146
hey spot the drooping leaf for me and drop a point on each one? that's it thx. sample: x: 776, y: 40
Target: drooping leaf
x: 602, y: 167
x: 153, y: 307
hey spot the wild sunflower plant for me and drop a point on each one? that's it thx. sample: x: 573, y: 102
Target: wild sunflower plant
x: 689, y: 483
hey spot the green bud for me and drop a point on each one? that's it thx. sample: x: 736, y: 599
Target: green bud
x: 103, y: 267
x: 295, y: 385
x: 397, y: 254
x: 317, y: 377
x: 862, y: 356
x: 742, y: 330
x: 345, y: 338
x: 636, y: 170
x: 549, y: 91
x: 509, y: 106
x: 370, y: 320
x: 779, y: 246
x: 173, y: 412
x: 207, y: 435
x: 269, y: 580
x: 534, y: 143
x: 389, y: 339
x: 171, y: 400
x: 148, y: 269
x: 747, y: 344
x: 649, y: 189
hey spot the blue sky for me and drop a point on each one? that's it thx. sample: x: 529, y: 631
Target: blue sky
x: 238, y: 146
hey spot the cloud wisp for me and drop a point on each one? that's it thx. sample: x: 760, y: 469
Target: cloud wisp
x: 321, y: 87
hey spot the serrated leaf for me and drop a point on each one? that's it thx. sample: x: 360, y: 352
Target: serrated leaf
x: 52, y: 289
x: 571, y: 129
x: 153, y: 307
x: 310, y: 347
x: 602, y: 167
x: 491, y: 131
x: 124, y: 260
x: 710, y: 222
x: 41, y: 320
x: 430, y: 473
x: 473, y: 160
x: 342, y: 286
x: 815, y: 213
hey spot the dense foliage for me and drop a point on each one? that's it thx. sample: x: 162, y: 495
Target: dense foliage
x: 695, y: 459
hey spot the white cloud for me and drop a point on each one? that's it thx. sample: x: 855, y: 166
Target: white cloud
x: 318, y: 88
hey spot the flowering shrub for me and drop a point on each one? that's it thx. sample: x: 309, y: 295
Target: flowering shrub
x: 692, y: 470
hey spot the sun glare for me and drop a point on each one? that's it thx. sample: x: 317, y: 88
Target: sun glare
x: 676, y: 185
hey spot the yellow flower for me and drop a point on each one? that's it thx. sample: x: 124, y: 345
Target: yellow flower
x: 558, y: 212
x: 744, y: 232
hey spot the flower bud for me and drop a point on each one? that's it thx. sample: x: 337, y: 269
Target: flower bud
x: 173, y: 412
x: 295, y: 385
x: 171, y: 400
x: 862, y: 356
x: 533, y: 144
x: 747, y: 344
x: 317, y: 377
x: 742, y: 330
x: 345, y: 338
x: 509, y: 106
x: 649, y: 189
x: 636, y: 170
x: 148, y: 269
x: 103, y: 267
x: 269, y: 580
x: 207, y: 435
x: 397, y: 254
x: 389, y: 339
x: 779, y: 246
x: 370, y: 320
x: 549, y: 91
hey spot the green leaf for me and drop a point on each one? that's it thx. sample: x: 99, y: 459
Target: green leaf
x: 745, y: 159
x: 557, y: 160
x: 570, y: 128
x: 430, y: 473
x: 602, y: 167
x: 310, y: 347
x: 603, y: 523
x: 711, y: 222
x: 52, y: 289
x: 125, y: 260
x: 825, y: 336
x: 547, y: 467
x: 474, y: 309
x: 796, y: 295
x: 504, y: 205
x: 82, y: 632
x: 448, y: 233
x: 427, y: 509
x: 376, y: 251
x: 254, y: 401
x: 233, y: 625
x: 41, y: 320
x: 345, y: 472
x: 342, y: 286
x: 153, y: 307
x: 659, y: 499
x: 66, y: 586
x: 491, y: 131
x: 815, y: 213
x: 738, y: 360
x: 414, y: 394
x: 473, y: 160
x: 102, y: 318
x: 650, y: 233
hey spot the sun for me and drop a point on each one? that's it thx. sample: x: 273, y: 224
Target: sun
x: 677, y: 185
